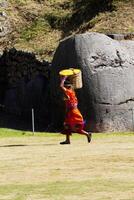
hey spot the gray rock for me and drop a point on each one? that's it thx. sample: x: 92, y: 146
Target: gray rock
x: 24, y: 84
x: 3, y: 4
x: 20, y: 100
x: 107, y: 97
x: 5, y: 25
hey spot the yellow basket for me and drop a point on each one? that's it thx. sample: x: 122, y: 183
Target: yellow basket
x: 69, y: 72
x: 74, y: 75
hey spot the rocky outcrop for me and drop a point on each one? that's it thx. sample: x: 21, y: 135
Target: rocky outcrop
x: 107, y: 97
x: 5, y: 25
x: 127, y: 36
x: 24, y: 84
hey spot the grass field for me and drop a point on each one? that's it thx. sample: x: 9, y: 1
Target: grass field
x: 36, y: 167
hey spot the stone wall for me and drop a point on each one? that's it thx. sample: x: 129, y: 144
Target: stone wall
x: 24, y: 84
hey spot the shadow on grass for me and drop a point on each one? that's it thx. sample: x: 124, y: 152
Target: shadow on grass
x: 24, y: 145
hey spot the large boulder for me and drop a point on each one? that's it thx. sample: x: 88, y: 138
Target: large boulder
x: 107, y: 97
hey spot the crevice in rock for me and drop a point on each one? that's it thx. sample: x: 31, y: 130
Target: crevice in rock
x: 102, y: 103
x: 120, y: 61
x: 120, y: 103
x: 128, y: 100
x: 102, y: 66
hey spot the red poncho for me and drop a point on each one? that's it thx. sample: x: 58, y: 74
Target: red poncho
x: 73, y: 115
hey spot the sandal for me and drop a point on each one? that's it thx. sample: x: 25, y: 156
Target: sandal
x: 65, y: 142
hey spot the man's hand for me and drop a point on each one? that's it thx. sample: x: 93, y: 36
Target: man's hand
x: 63, y: 78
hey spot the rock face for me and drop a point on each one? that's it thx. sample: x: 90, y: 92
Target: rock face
x: 107, y: 97
x: 24, y: 84
x: 5, y: 25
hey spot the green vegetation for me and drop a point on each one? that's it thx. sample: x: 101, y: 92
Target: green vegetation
x: 5, y: 132
x: 39, y: 25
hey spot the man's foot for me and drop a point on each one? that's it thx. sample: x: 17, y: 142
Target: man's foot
x: 89, y: 136
x: 65, y: 142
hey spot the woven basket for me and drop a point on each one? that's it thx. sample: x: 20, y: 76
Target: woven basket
x: 74, y: 76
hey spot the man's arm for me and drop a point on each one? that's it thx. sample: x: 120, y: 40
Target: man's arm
x: 62, y: 82
x: 63, y: 87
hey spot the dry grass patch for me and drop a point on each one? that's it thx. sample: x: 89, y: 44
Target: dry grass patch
x: 37, y: 167
x: 120, y: 20
x: 39, y: 25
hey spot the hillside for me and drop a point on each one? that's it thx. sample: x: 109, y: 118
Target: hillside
x: 38, y: 25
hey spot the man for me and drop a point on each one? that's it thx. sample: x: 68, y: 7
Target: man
x: 73, y: 119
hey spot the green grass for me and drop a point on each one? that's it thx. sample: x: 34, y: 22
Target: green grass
x: 37, y: 27
x: 4, y: 132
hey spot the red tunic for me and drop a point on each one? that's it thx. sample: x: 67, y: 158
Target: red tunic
x: 73, y: 115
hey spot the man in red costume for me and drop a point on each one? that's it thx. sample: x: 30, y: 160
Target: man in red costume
x: 73, y: 119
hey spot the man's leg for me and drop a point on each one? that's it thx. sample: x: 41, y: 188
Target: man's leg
x: 88, y: 134
x: 67, y: 132
x: 79, y: 129
x: 67, y: 141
